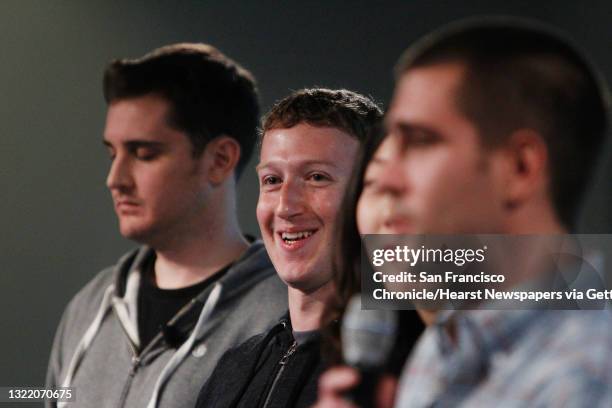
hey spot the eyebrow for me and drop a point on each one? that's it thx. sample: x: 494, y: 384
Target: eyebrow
x: 134, y: 144
x: 408, y: 128
x: 301, y: 164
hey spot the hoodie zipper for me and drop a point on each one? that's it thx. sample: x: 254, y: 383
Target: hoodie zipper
x: 137, y: 358
x: 133, y: 368
x: 283, y: 361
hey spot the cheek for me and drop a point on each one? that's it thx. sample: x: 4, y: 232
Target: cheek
x: 165, y: 181
x: 327, y: 205
x: 452, y: 194
x: 434, y: 177
x: 155, y: 193
x: 264, y: 212
x: 424, y: 168
x: 366, y: 215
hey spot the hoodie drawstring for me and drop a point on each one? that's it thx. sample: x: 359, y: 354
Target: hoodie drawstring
x: 182, y: 352
x: 87, y: 338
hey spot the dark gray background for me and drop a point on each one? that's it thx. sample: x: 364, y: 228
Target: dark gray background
x: 58, y: 226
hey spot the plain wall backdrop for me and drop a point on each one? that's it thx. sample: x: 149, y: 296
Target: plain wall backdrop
x: 58, y: 226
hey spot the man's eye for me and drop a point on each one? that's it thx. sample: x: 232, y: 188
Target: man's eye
x: 270, y: 180
x: 421, y: 138
x: 145, y: 154
x: 371, y: 186
x: 319, y: 177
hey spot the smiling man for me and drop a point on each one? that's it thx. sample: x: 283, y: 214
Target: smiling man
x: 303, y: 172
x: 147, y: 332
x: 309, y: 144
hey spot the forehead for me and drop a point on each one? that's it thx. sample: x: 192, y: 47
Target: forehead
x: 143, y: 117
x: 427, y: 93
x: 305, y: 142
x: 425, y: 100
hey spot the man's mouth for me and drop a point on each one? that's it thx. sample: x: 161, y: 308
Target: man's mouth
x: 126, y: 206
x: 292, y: 238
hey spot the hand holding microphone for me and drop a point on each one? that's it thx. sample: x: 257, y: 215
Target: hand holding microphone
x: 367, y: 339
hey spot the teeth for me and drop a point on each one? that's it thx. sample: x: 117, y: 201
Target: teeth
x: 293, y: 236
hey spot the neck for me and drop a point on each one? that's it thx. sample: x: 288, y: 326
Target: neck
x: 188, y: 266
x: 213, y: 243
x: 536, y: 218
x: 428, y: 316
x: 306, y: 309
x: 541, y: 221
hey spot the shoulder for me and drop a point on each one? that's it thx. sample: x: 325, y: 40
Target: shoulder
x: 79, y: 314
x: 245, y: 353
x: 233, y: 371
x: 253, y: 281
x: 576, y: 334
x: 86, y: 302
x: 95, y: 288
x: 581, y: 339
x: 254, y: 264
x: 239, y: 354
x: 566, y: 358
x: 93, y: 291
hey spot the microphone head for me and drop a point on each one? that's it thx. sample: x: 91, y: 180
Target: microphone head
x: 367, y: 335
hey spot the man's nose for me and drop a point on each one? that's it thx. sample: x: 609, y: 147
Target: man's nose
x: 393, y: 179
x: 291, y: 200
x: 119, y: 175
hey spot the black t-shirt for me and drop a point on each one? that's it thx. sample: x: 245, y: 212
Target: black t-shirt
x: 157, y: 306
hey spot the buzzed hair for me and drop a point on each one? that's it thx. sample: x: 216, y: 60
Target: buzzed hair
x: 523, y: 74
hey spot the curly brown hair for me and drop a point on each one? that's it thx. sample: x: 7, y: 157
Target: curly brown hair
x: 346, y: 110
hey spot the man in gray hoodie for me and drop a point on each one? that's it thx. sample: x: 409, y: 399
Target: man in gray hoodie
x: 147, y: 332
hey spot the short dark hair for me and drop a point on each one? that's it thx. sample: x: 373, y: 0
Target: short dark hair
x: 523, y: 74
x: 346, y: 110
x: 209, y: 94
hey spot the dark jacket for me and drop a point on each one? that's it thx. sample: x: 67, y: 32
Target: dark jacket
x: 268, y: 370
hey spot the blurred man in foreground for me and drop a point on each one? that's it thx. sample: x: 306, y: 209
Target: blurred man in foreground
x: 495, y: 127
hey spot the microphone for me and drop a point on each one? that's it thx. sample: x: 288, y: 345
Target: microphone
x: 367, y: 339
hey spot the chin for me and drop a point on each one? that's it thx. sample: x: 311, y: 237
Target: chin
x: 304, y: 287
x: 291, y: 279
x: 295, y: 278
x: 306, y: 281
x: 140, y: 235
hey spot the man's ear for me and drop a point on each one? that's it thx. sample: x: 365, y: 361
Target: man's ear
x: 528, y: 174
x: 224, y: 154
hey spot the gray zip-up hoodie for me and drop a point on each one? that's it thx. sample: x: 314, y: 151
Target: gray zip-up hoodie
x: 95, y: 347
